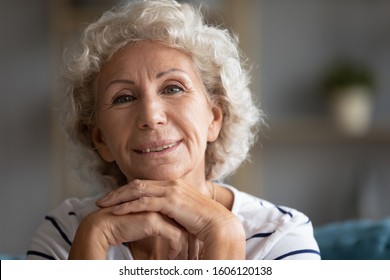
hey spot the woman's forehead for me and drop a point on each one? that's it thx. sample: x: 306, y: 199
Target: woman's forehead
x: 147, y: 57
x: 150, y: 52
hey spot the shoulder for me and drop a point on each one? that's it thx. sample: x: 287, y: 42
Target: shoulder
x: 75, y: 207
x: 54, y: 236
x: 254, y: 211
x: 69, y: 214
x: 273, y: 231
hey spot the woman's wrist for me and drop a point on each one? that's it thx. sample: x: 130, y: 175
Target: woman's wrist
x: 90, y: 242
x: 227, y: 242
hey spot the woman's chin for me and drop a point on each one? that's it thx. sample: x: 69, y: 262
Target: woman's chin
x: 158, y: 175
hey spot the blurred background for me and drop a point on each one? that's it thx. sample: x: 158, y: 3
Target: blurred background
x: 320, y: 73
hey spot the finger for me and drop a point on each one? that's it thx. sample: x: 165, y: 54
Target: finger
x: 177, y: 204
x: 177, y: 237
x: 176, y: 200
x: 133, y: 190
x: 142, y: 225
x: 193, y: 218
x: 184, y: 253
x: 197, y: 214
x: 193, y: 247
x: 144, y: 204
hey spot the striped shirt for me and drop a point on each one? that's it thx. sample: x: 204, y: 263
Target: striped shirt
x: 272, y: 232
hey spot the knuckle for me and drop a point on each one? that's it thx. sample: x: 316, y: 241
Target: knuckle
x: 151, y: 219
x: 177, y: 237
x: 175, y: 190
x: 139, y: 187
x: 179, y: 234
x: 143, y: 201
x: 136, y: 181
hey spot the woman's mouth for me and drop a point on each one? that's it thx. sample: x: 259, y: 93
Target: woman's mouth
x: 157, y: 148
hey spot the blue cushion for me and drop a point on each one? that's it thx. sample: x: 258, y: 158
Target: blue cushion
x: 355, y: 240
x: 11, y: 257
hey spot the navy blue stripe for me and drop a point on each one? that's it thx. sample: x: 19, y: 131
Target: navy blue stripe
x: 284, y: 211
x: 55, y: 224
x: 305, y: 251
x: 40, y: 254
x: 261, y: 235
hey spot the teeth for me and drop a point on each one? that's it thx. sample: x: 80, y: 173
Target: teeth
x: 158, y: 149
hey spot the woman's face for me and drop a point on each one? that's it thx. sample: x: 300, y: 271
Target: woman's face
x: 153, y: 116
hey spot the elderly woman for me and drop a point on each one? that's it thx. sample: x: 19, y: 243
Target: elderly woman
x: 161, y: 100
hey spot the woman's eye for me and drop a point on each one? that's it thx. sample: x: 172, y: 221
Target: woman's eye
x: 121, y: 99
x: 173, y: 89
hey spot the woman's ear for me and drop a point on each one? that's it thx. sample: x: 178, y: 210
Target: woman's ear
x: 216, y: 124
x: 100, y: 144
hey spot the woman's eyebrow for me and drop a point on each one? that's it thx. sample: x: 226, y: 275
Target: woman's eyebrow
x: 163, y: 73
x: 119, y: 81
x: 159, y: 75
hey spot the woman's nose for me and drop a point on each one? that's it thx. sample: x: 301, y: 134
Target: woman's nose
x: 151, y: 113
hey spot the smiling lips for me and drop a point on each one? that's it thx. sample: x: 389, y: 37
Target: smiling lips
x: 157, y: 149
